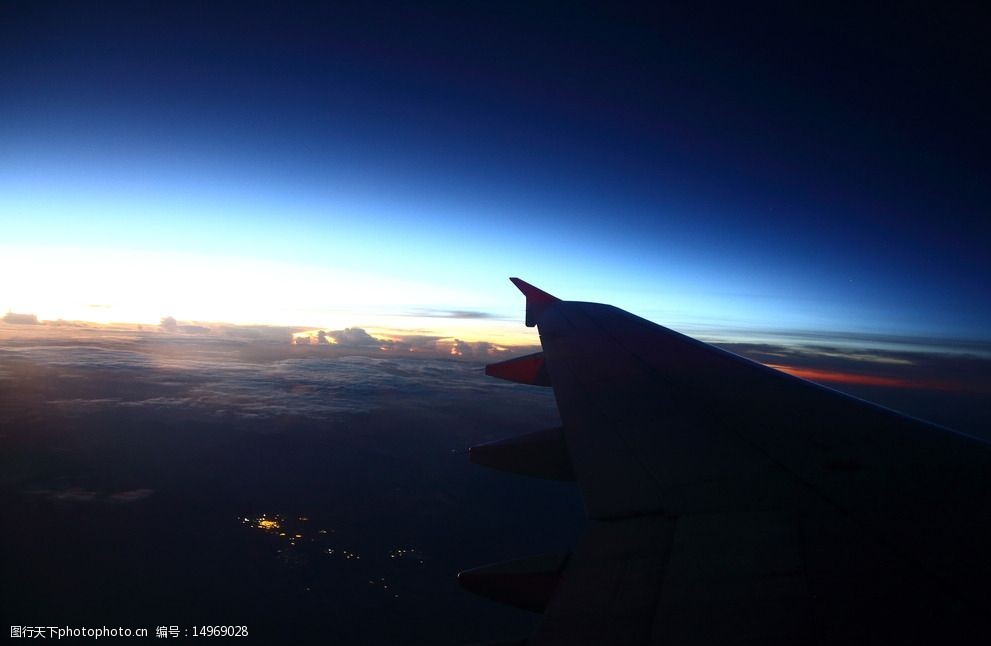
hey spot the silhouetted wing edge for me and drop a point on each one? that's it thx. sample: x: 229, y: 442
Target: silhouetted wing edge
x: 732, y: 503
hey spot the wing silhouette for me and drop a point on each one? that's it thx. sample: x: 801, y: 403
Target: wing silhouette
x: 730, y: 503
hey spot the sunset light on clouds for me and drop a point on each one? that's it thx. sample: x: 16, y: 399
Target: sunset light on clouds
x: 119, y: 286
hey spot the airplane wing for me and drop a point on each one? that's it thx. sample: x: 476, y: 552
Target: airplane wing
x: 730, y: 503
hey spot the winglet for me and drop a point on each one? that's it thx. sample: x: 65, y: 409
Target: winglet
x: 537, y: 300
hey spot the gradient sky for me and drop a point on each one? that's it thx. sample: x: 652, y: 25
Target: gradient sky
x: 717, y: 169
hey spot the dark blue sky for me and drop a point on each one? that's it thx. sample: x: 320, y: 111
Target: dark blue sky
x: 769, y: 168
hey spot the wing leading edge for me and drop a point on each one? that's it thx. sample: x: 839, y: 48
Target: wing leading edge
x: 732, y: 503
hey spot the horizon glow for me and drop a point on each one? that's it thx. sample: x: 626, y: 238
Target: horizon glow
x: 320, y: 184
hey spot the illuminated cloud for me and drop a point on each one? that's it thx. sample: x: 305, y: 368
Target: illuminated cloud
x: 891, y: 369
x: 453, y: 314
x: 353, y: 337
x: 476, y: 349
x: 416, y: 343
x: 170, y: 325
x: 256, y: 333
x: 359, y: 339
x: 64, y: 323
x: 20, y: 319
x: 836, y: 377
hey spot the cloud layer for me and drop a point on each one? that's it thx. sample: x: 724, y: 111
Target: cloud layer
x: 342, y: 371
x: 20, y: 319
x: 262, y: 372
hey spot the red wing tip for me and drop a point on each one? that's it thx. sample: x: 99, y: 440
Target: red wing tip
x: 533, y: 293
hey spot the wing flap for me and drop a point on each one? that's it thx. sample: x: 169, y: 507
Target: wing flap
x: 608, y: 594
x: 527, y: 583
x: 542, y: 454
x: 528, y: 369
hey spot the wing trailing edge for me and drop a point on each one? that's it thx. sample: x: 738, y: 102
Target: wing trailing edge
x: 528, y: 369
x: 527, y: 583
x: 542, y: 454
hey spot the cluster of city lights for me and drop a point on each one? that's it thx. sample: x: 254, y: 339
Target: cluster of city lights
x: 290, y: 530
x: 294, y: 533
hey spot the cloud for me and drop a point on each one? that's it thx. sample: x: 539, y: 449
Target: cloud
x: 78, y: 494
x: 845, y: 341
x: 210, y: 377
x: 255, y: 373
x: 903, y: 369
x: 170, y: 325
x: 453, y: 314
x: 214, y: 377
x: 20, y: 319
x: 477, y: 349
x: 75, y: 324
x: 836, y: 377
x: 266, y: 333
x: 354, y: 337
x: 422, y: 344
x: 134, y: 495
x: 73, y: 494
x: 359, y: 341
